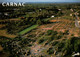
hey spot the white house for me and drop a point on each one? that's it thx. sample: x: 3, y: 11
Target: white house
x: 52, y: 16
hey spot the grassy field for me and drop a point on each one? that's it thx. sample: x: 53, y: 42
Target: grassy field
x: 28, y: 29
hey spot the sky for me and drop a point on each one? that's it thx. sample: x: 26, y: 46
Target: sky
x: 39, y: 0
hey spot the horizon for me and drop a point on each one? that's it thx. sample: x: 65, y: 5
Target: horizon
x: 41, y: 1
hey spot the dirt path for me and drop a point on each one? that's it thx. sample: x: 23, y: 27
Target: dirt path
x: 37, y: 49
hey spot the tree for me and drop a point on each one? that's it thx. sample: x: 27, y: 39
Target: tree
x: 39, y: 22
x: 49, y: 32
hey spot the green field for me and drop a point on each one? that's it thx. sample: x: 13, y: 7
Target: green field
x: 28, y: 29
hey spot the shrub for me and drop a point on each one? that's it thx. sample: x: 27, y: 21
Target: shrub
x: 54, y: 43
x: 60, y: 45
x: 49, y: 32
x: 59, y: 37
x: 41, y: 41
x: 54, y: 33
x: 50, y: 50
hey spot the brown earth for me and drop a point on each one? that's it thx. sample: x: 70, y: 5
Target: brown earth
x: 62, y: 26
x: 1, y: 48
x: 2, y: 25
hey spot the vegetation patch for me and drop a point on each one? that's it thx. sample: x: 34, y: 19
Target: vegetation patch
x: 28, y: 29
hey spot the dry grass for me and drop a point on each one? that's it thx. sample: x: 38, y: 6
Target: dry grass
x: 9, y: 20
x: 4, y: 33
